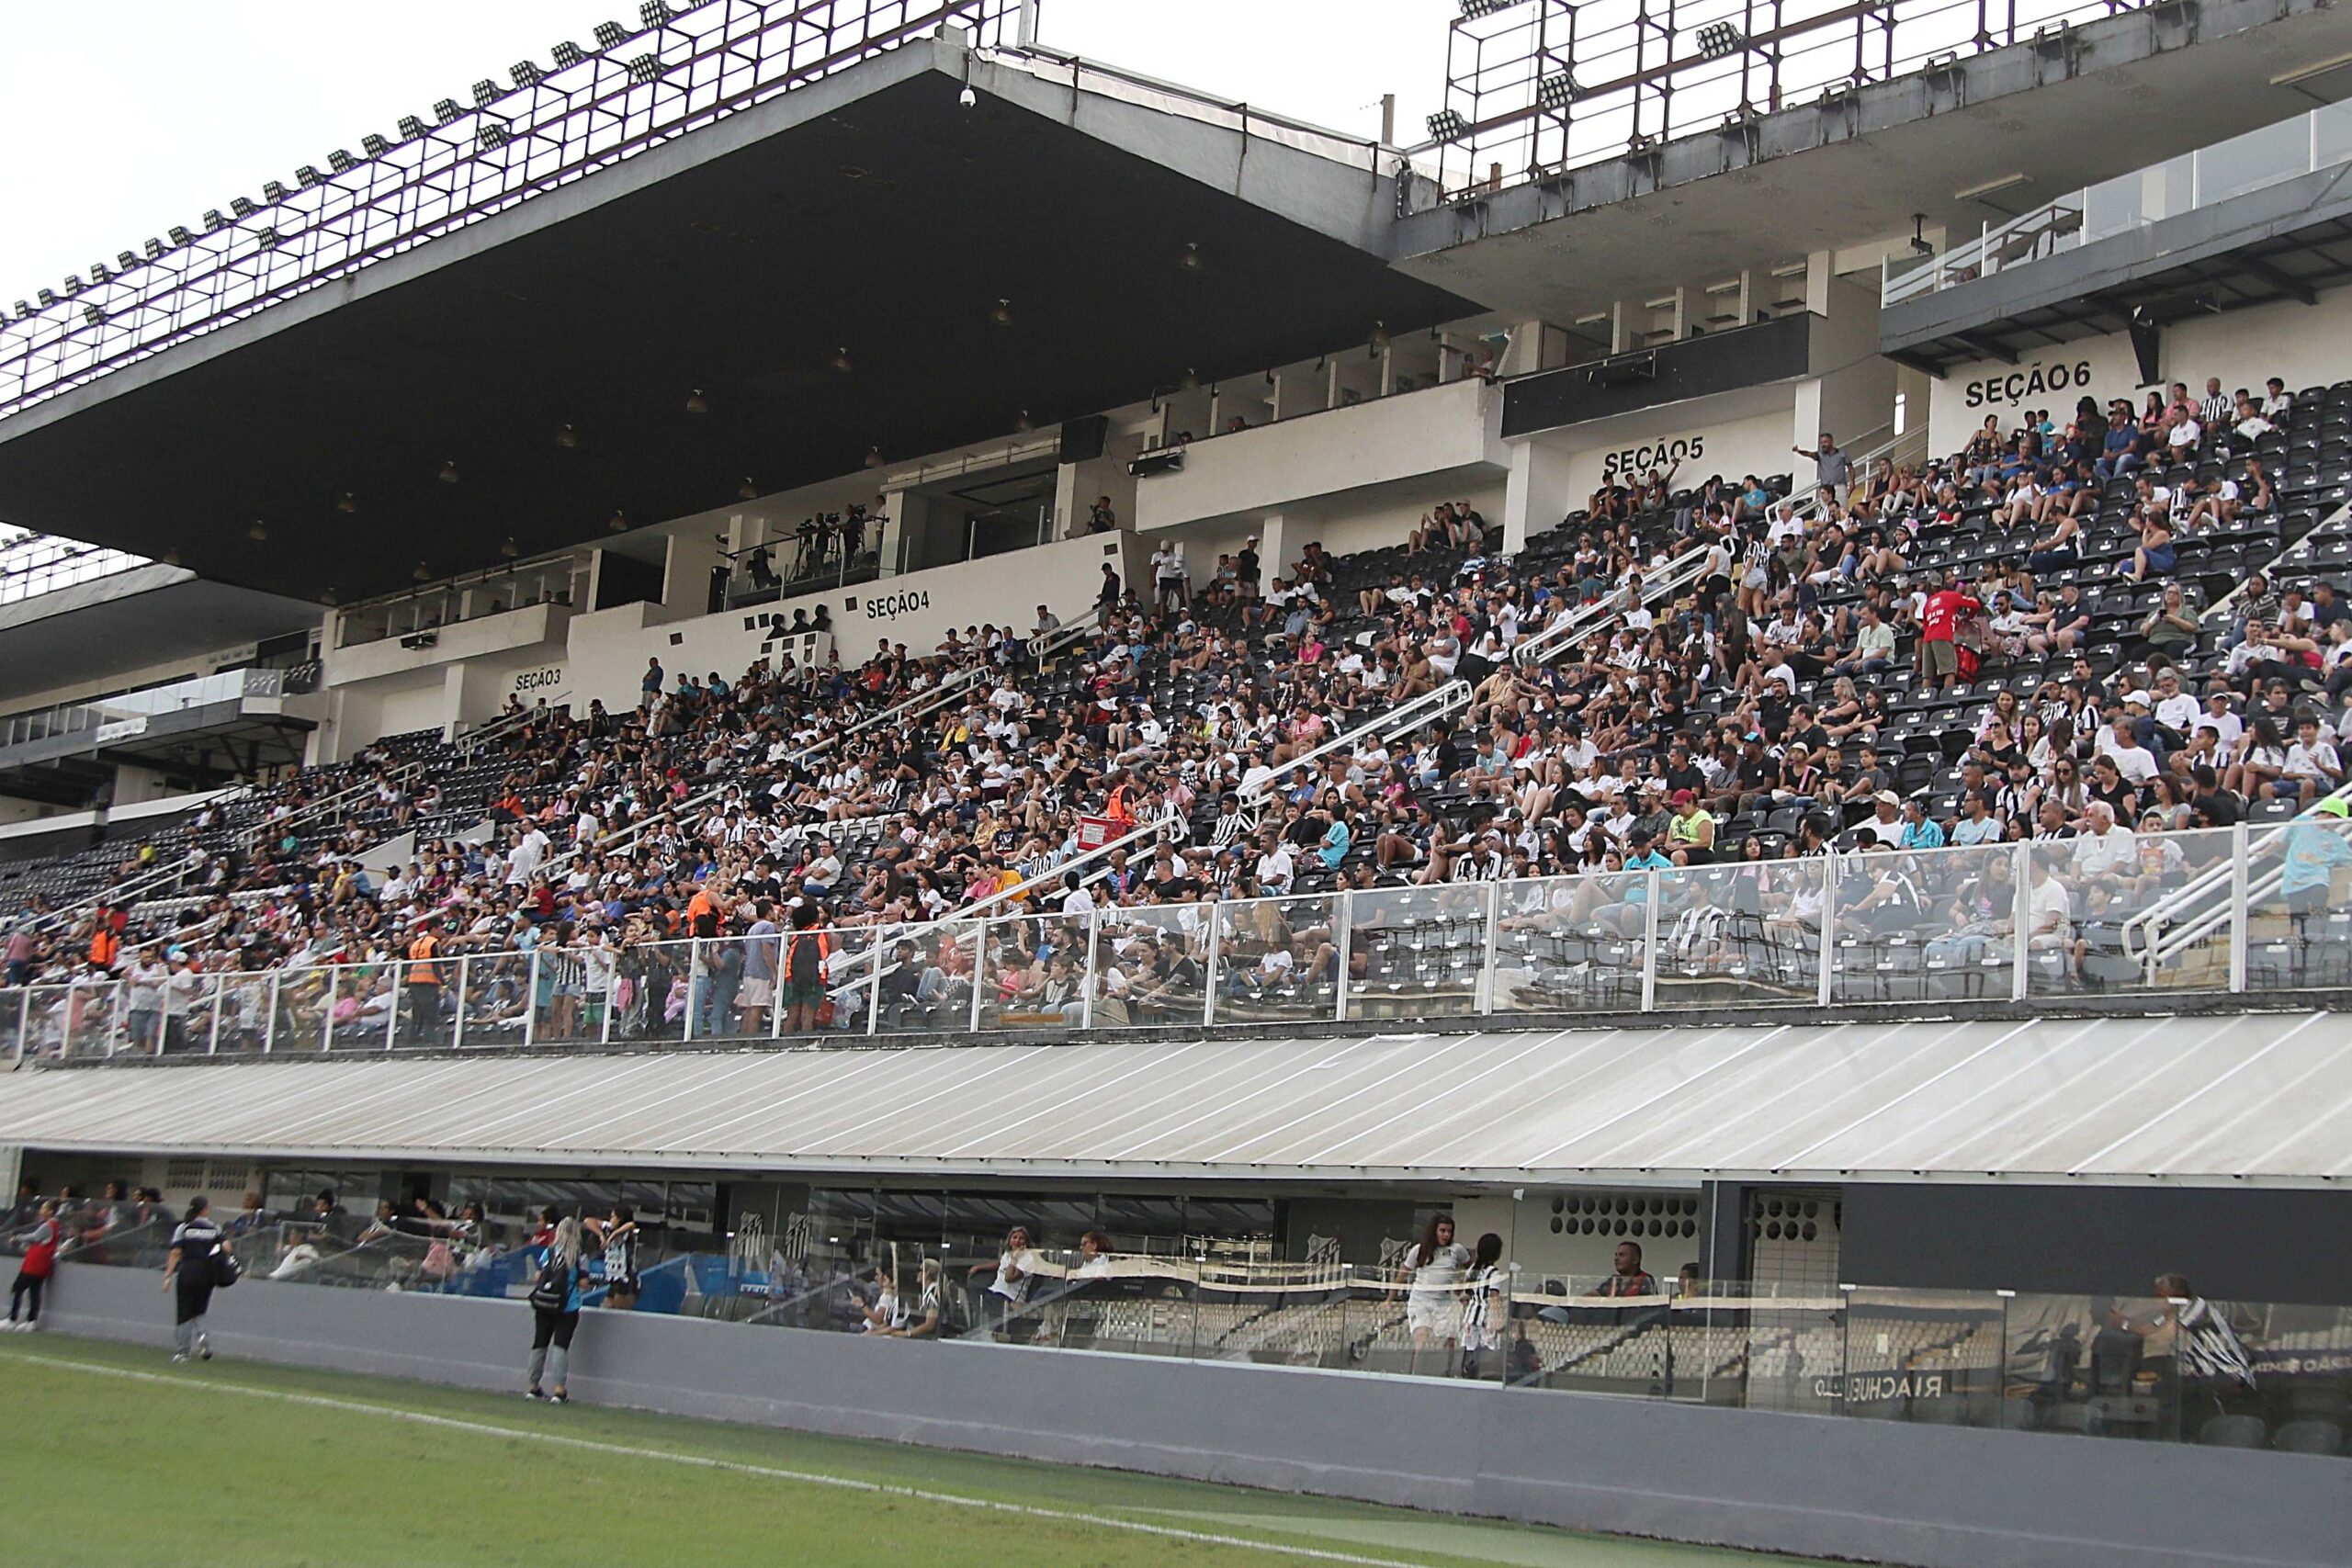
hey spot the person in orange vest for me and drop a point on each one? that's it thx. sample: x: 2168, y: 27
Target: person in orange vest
x: 1118, y: 807
x: 422, y: 979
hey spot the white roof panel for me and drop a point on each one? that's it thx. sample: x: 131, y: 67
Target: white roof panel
x: 2261, y: 1096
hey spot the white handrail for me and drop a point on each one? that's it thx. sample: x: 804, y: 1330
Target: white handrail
x: 2190, y: 905
x: 2228, y: 602
x: 1396, y: 723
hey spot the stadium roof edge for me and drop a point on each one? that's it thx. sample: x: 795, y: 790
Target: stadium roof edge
x: 688, y: 266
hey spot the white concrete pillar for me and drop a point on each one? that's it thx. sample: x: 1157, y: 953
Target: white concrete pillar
x: 1535, y: 494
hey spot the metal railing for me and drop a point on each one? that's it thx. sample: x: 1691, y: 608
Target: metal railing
x: 1395, y: 724
x: 2003, y: 922
x: 2268, y: 156
x: 543, y: 129
x: 32, y: 564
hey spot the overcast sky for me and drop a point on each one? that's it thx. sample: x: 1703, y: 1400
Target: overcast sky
x: 119, y: 122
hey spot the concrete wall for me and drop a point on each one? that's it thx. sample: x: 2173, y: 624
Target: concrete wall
x: 1940, y: 1497
x: 2301, y: 344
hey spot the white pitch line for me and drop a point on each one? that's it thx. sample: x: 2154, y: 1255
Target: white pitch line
x: 624, y: 1451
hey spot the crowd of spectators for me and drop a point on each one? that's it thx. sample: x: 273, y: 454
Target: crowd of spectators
x: 2013, y: 642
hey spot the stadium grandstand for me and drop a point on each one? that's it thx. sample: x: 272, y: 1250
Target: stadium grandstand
x: 1682, y: 752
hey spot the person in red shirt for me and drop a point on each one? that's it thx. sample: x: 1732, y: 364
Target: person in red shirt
x: 40, y: 1262
x: 1940, y: 632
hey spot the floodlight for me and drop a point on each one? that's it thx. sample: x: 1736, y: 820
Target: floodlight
x: 696, y: 404
x: 445, y: 109
x: 374, y: 146
x: 1471, y: 9
x: 212, y: 219
x: 24, y: 309
x: 1719, y: 39
x: 268, y: 238
x: 126, y: 260
x: 1557, y: 91
x: 448, y: 475
x: 154, y: 247
x: 485, y: 91
x: 272, y: 192
x: 611, y: 34
x: 97, y: 272
x: 645, y: 68
x: 491, y: 135
x: 340, y: 159
x: 73, y: 284
x: 241, y: 207
x: 307, y: 176
x: 653, y: 12
x: 567, y: 55
x: 93, y: 315
x: 47, y: 296
x: 411, y: 128
x: 524, y: 72
x: 1447, y: 125
x: 179, y: 235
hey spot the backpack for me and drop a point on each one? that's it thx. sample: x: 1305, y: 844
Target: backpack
x: 551, y: 1291
x: 226, y: 1269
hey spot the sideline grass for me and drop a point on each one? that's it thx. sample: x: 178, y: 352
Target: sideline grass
x: 306, y: 1467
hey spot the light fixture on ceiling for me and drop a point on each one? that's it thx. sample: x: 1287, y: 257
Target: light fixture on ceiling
x: 747, y: 491
x: 259, y: 532
x: 1191, y: 383
x: 1023, y: 424
x: 449, y: 472
x: 1192, y: 260
x: 170, y: 557
x: 695, y: 403
x: 617, y: 521
x: 840, y: 360
x: 349, y: 502
x: 326, y: 596
x: 968, y: 98
x: 567, y: 437
x: 423, y: 573
x: 510, y: 549
x: 873, y: 458
x: 1919, y: 240
x: 1003, y: 315
x: 1380, y: 339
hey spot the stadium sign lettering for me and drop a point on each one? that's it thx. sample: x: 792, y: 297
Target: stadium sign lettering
x: 1867, y: 1388
x: 2030, y: 382
x: 890, y: 606
x: 1640, y: 459
x: 539, y: 679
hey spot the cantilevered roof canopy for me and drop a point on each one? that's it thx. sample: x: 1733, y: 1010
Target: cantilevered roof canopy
x: 2258, y: 1097
x: 866, y: 212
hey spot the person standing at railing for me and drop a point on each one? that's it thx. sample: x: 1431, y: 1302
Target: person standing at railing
x: 33, y: 1273
x: 554, y: 1312
x: 422, y: 978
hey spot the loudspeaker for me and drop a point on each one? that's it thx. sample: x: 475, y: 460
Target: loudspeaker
x: 1082, y: 439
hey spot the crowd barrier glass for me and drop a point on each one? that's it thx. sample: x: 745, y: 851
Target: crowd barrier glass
x: 2261, y: 908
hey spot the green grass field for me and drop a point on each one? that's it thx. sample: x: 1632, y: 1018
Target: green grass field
x: 266, y: 1467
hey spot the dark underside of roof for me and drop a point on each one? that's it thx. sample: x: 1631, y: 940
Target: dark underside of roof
x: 891, y: 229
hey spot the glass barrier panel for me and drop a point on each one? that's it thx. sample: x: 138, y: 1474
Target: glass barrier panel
x: 2299, y: 904
x: 2300, y: 1358
x: 1416, y: 951
x: 2096, y: 898
x: 45, y: 1016
x: 836, y: 1008
x: 716, y: 966
x: 2249, y: 162
x: 1923, y: 1355
x: 1152, y: 966
x: 425, y: 1006
x: 2073, y: 1366
x: 241, y: 1025
x: 926, y: 977
x: 1570, y: 942
x: 561, y: 1014
x: 495, y: 998
x: 1278, y: 960
x: 190, y: 1000
x: 1031, y: 971
x: 363, y: 1003
x: 1740, y: 931
x: 1924, y: 925
x: 652, y: 991
x: 1580, y: 1332
x: 92, y: 1024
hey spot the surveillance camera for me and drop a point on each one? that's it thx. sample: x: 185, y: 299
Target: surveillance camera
x: 968, y: 98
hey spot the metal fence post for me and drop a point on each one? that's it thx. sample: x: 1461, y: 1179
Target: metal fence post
x: 326, y: 1026
x: 1649, y: 940
x: 212, y: 1039
x: 612, y: 998
x: 531, y: 1000
x: 1342, y: 938
x: 1210, y: 970
x: 1487, y: 948
x: 1086, y: 978
x: 874, y: 964
x: 1825, y: 985
x: 2021, y: 921
x: 392, y: 1014
x: 697, y: 983
x: 458, y: 1034
x: 24, y: 1019
x: 979, y: 966
x: 2240, y: 915
x: 270, y: 1020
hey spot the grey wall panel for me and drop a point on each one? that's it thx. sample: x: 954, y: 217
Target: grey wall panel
x: 1939, y: 1497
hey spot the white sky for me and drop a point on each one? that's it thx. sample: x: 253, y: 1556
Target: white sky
x: 114, y: 132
